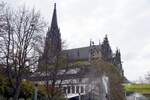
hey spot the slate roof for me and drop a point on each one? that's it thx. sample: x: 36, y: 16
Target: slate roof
x: 82, y: 53
x: 78, y: 53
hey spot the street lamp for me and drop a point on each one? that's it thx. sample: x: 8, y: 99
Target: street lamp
x: 36, y: 91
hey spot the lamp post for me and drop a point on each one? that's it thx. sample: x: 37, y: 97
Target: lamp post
x: 36, y: 91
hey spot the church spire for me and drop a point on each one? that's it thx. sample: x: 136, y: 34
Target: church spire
x: 54, y: 24
x: 52, y: 47
x: 53, y: 38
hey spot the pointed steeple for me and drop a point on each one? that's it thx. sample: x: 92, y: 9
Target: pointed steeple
x: 54, y: 24
x: 106, y: 50
x: 118, y: 57
x: 53, y: 37
x: 117, y: 62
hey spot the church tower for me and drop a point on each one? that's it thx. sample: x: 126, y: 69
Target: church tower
x: 52, y: 47
x: 53, y: 38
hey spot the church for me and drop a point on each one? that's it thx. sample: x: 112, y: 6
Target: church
x: 75, y: 76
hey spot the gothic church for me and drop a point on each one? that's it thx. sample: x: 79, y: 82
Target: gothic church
x: 53, y: 48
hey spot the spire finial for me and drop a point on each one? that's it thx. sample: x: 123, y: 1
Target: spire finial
x: 54, y: 5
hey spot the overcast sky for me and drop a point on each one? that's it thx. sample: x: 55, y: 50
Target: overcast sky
x: 126, y: 22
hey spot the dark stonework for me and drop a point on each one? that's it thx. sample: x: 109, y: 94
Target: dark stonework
x: 117, y: 61
x: 53, y: 38
x: 53, y: 48
x: 52, y: 43
x: 106, y: 50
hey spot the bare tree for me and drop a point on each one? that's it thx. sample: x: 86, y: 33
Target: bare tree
x: 19, y: 34
x: 54, y: 69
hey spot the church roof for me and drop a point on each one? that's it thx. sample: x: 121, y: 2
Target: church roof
x: 82, y: 53
x: 78, y: 53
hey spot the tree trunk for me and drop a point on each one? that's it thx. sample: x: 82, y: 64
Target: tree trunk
x: 16, y: 96
x: 17, y: 91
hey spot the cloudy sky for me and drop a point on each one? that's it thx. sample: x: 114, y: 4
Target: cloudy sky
x: 126, y: 22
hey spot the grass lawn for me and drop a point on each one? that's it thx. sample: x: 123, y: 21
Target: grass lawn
x: 139, y: 88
